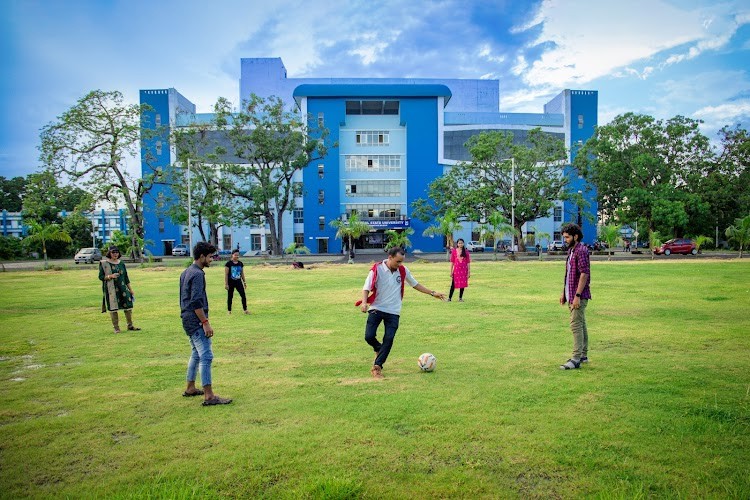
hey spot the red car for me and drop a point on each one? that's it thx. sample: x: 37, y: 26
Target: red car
x: 677, y: 245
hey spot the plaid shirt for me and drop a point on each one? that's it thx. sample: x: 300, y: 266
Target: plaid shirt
x: 578, y: 260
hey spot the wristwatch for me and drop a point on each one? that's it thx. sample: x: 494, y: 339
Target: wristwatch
x: 578, y: 295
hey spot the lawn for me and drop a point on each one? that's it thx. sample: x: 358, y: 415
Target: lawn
x: 662, y: 410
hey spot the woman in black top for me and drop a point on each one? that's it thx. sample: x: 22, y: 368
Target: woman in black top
x: 234, y: 278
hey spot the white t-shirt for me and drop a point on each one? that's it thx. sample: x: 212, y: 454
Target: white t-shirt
x: 388, y: 298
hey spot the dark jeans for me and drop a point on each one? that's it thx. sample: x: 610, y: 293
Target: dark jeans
x: 374, y: 318
x: 453, y: 289
x: 241, y: 289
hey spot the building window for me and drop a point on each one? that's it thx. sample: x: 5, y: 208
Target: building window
x: 227, y: 241
x: 161, y: 225
x: 372, y: 163
x: 374, y: 188
x: 254, y: 242
x: 157, y: 120
x: 580, y: 121
x: 158, y: 147
x: 321, y: 223
x: 321, y: 121
x: 299, y: 215
x: 299, y: 239
x: 557, y: 236
x: 374, y: 211
x: 321, y: 171
x: 372, y: 107
x: 321, y: 196
x: 372, y: 137
x: 558, y: 214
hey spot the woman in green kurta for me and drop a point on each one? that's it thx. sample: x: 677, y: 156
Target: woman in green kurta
x: 118, y: 294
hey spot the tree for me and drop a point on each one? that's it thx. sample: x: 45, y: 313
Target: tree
x: 41, y: 234
x: 445, y: 226
x: 295, y: 249
x: 541, y: 236
x: 45, y: 198
x: 11, y: 193
x: 654, y: 242
x: 740, y: 232
x: 643, y: 169
x: 610, y: 233
x: 477, y: 188
x: 398, y: 238
x: 79, y: 228
x: 351, y: 229
x: 124, y: 243
x: 497, y: 226
x: 91, y: 142
x: 266, y: 147
x: 702, y: 240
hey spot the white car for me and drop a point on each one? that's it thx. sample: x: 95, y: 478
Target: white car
x: 557, y: 245
x: 88, y: 255
x: 180, y: 251
x: 474, y: 246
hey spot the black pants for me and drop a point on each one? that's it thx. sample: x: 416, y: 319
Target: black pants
x: 453, y: 289
x: 241, y: 289
x: 390, y: 321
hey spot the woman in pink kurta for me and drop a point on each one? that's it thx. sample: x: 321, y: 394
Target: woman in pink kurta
x: 460, y: 270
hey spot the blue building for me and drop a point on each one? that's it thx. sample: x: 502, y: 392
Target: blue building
x: 394, y: 136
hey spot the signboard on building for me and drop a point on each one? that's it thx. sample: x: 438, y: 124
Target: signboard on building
x: 389, y: 223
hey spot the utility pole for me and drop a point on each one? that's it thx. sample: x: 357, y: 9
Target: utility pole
x: 190, y: 211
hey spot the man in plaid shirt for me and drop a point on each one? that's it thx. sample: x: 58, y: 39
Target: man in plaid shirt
x: 576, y: 293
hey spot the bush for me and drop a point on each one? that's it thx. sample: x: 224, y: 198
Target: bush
x: 11, y: 248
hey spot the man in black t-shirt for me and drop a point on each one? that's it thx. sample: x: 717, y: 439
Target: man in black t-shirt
x: 234, y: 278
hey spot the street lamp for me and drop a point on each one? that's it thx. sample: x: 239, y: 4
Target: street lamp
x: 580, y: 200
x: 190, y: 210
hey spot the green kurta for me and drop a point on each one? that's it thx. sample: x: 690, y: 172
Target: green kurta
x: 116, y: 293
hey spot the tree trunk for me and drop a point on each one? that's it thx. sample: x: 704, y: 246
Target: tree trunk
x: 521, y: 244
x: 279, y: 231
x: 272, y: 226
x: 213, y: 233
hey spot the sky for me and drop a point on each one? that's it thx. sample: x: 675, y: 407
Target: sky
x: 656, y: 57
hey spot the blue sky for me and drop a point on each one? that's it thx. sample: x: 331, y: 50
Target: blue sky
x: 657, y: 57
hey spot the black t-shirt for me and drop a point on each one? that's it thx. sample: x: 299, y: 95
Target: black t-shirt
x: 235, y: 269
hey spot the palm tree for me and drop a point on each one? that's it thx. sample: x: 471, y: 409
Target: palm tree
x: 43, y: 234
x: 654, y: 241
x: 497, y: 226
x: 294, y: 249
x: 740, y: 232
x: 702, y: 240
x: 351, y: 228
x: 398, y: 238
x: 540, y: 236
x: 445, y: 226
x: 611, y: 234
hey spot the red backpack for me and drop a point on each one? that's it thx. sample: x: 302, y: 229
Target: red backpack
x: 374, y: 291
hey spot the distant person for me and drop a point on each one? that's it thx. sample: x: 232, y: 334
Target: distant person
x: 576, y: 293
x: 194, y: 314
x: 234, y: 279
x: 460, y: 269
x: 382, y: 295
x: 116, y: 288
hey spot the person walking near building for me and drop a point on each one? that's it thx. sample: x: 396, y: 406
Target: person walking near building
x: 382, y: 295
x: 194, y: 314
x: 234, y: 279
x: 460, y: 269
x: 116, y: 288
x: 576, y: 293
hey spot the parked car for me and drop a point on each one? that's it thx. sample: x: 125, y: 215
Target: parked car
x: 474, y: 246
x: 87, y: 255
x: 180, y: 251
x: 677, y: 245
x: 557, y: 245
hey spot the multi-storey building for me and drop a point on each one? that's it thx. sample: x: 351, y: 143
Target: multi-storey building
x: 394, y: 136
x: 103, y: 224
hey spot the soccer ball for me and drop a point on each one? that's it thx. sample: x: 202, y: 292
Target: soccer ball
x: 427, y: 362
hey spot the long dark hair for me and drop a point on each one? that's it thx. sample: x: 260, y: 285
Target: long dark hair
x: 463, y: 248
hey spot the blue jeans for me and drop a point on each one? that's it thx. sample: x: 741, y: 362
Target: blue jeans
x: 390, y: 321
x: 202, y: 357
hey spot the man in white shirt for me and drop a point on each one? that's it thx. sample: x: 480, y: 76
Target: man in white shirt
x: 388, y: 290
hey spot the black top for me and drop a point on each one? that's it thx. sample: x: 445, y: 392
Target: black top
x: 192, y: 296
x: 235, y: 269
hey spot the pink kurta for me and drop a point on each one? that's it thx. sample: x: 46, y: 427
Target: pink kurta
x: 460, y: 268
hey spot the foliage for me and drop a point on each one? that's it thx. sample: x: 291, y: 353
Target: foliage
x: 495, y: 420
x: 497, y: 227
x: 739, y: 233
x: 90, y: 144
x: 266, y: 147
x: 351, y: 229
x: 124, y: 242
x: 11, y: 248
x: 11, y: 193
x: 702, y: 240
x: 45, y: 198
x: 477, y: 188
x: 644, y: 168
x: 654, y: 241
x: 610, y: 233
x: 44, y: 233
x: 445, y: 225
x: 79, y: 228
x: 398, y: 238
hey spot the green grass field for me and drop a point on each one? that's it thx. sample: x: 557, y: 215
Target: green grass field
x: 662, y: 410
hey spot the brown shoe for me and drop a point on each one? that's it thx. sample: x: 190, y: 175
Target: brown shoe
x: 377, y: 372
